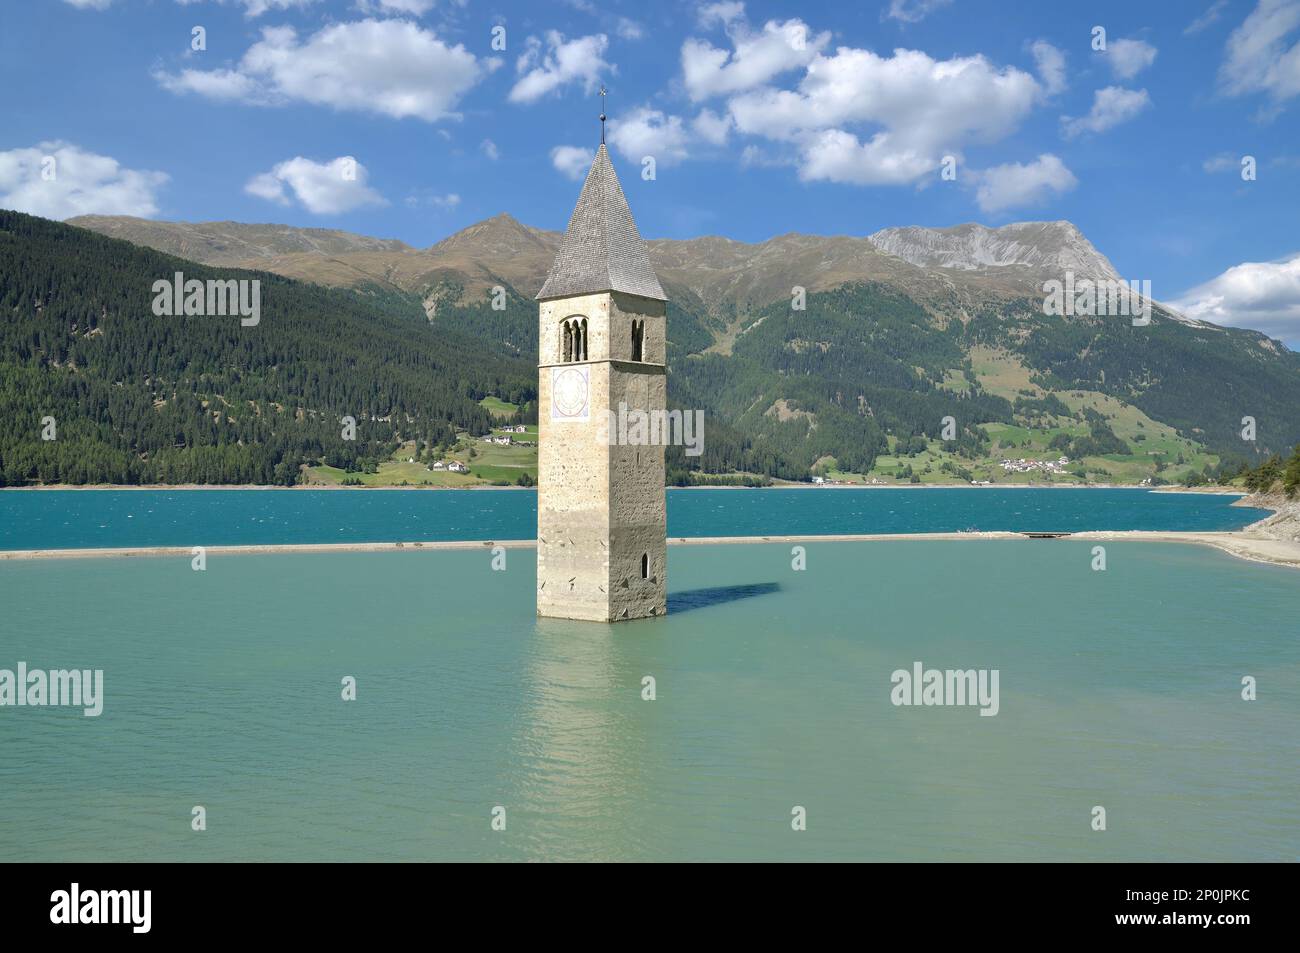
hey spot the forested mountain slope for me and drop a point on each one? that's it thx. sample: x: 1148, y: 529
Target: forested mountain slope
x: 140, y: 398
x: 900, y: 330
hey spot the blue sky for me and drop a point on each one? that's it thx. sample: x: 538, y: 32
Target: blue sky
x: 762, y: 118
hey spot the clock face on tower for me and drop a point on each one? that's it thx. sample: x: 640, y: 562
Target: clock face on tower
x: 570, y: 394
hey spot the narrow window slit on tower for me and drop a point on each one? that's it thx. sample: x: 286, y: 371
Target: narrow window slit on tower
x: 645, y: 565
x: 638, y: 340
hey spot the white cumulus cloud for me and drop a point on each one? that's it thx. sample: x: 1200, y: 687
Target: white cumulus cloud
x: 1018, y: 184
x: 1110, y: 107
x: 755, y: 57
x: 838, y: 156
x: 650, y: 132
x: 723, y: 12
x: 545, y: 66
x: 572, y: 161
x: 711, y: 127
x: 913, y: 11
x: 918, y: 110
x: 391, y: 67
x: 220, y: 84
x: 255, y: 8
x: 415, y: 8
x: 1206, y: 19
x: 1263, y: 296
x: 322, y: 188
x: 1261, y: 55
x: 59, y: 180
x: 1127, y: 58
x: 427, y: 197
x: 1050, y: 63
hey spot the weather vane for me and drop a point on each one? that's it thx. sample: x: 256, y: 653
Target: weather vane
x: 602, y: 114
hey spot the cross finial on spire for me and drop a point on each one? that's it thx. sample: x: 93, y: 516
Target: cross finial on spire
x: 602, y: 114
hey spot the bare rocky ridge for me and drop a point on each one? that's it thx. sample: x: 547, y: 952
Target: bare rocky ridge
x: 710, y: 265
x: 1046, y: 249
x: 732, y: 277
x: 948, y: 271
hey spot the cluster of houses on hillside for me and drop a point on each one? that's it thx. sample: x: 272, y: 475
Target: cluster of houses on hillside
x: 504, y: 439
x: 452, y: 466
x: 1031, y: 466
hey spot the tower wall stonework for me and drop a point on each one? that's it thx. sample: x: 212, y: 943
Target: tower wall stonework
x: 637, y: 509
x: 600, y: 503
x: 572, y: 508
x: 623, y: 310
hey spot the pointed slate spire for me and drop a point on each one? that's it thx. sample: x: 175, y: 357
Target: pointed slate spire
x: 602, y: 250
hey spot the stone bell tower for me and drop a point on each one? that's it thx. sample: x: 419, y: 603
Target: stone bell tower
x: 601, y: 522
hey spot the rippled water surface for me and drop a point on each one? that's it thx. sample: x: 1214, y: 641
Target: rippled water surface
x: 1117, y: 688
x: 76, y: 519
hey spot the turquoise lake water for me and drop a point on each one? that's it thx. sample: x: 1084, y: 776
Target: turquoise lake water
x: 74, y: 519
x: 1118, y: 688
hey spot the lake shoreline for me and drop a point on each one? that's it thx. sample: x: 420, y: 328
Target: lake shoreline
x: 106, y: 487
x: 1252, y: 548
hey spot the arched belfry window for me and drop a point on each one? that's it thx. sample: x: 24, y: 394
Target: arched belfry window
x: 638, y: 340
x: 573, y: 340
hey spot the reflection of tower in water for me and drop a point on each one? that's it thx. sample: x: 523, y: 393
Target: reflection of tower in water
x: 587, y: 746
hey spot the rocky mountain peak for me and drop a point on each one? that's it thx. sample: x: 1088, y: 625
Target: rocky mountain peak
x: 501, y: 234
x: 1049, y: 248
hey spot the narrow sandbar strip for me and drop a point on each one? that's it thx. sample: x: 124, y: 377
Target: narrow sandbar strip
x: 187, y: 551
x: 1257, y: 549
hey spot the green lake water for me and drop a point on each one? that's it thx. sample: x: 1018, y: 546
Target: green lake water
x: 1119, y: 688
